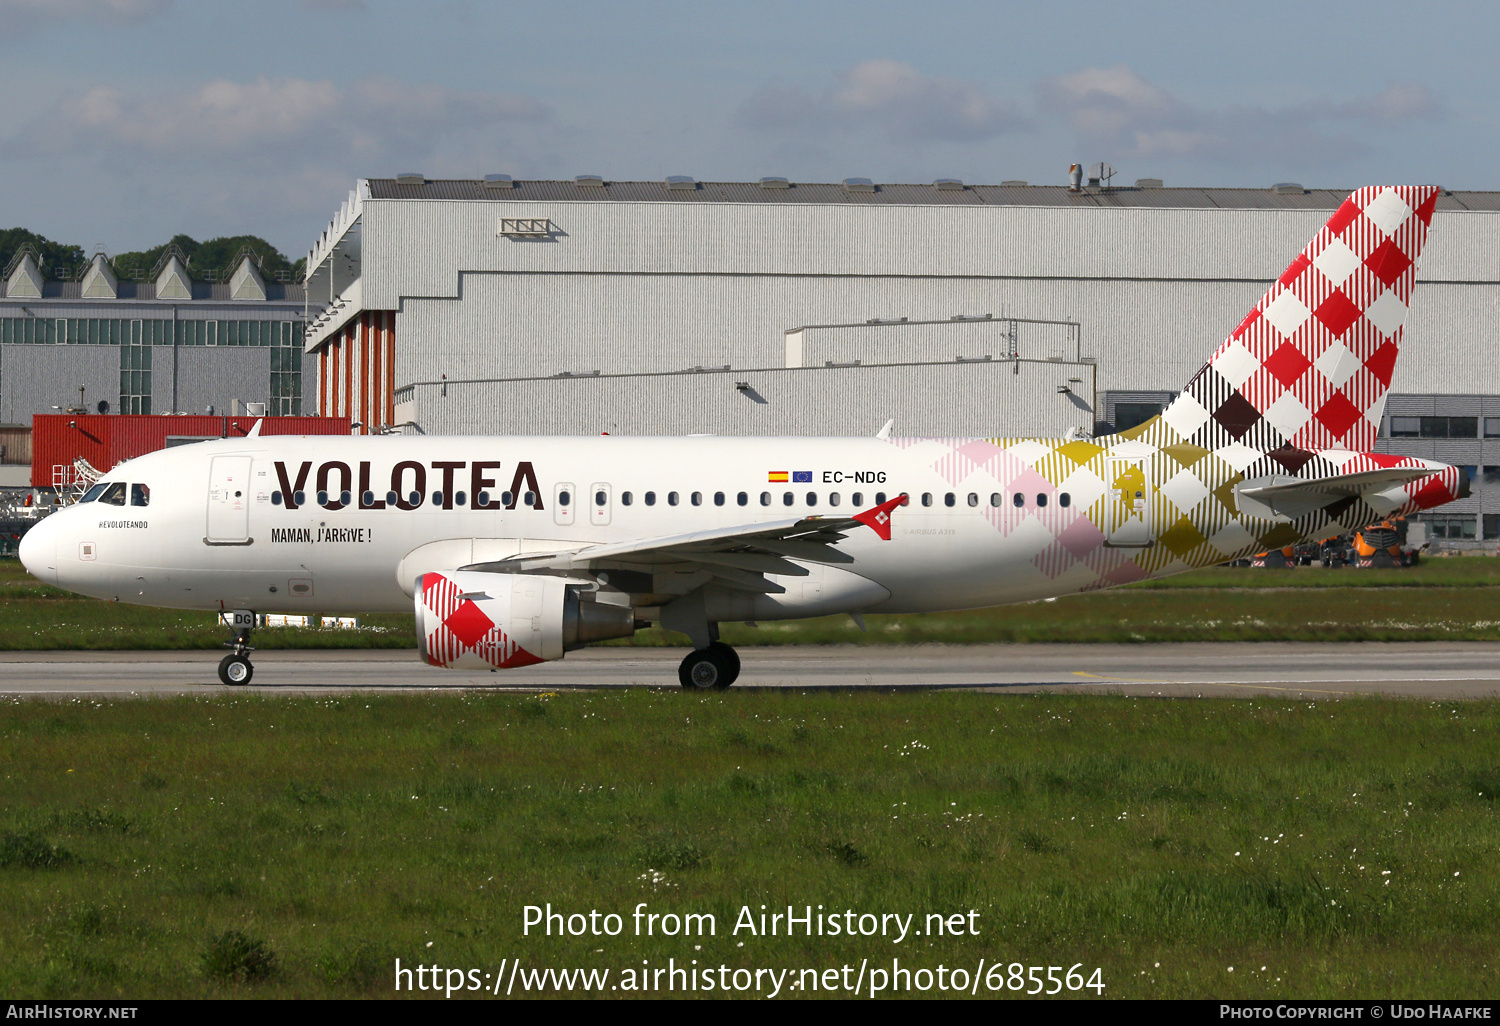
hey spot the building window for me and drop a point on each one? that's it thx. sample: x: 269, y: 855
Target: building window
x: 1129, y: 415
x: 1492, y: 427
x: 1492, y: 475
x: 1491, y: 526
x: 1434, y: 427
x: 1452, y: 528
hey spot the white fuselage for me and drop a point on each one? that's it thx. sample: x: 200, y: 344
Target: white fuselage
x: 349, y: 560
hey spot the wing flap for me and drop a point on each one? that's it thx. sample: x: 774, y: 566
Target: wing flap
x: 739, y: 556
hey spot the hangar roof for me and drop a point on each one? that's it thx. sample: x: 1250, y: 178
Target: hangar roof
x: 896, y: 194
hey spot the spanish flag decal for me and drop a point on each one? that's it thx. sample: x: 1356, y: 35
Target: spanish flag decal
x: 776, y: 476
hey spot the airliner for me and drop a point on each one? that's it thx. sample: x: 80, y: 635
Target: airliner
x: 515, y: 550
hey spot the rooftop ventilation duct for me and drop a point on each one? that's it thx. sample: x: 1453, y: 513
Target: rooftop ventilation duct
x: 1288, y: 189
x: 99, y: 281
x: 590, y: 181
x: 859, y: 185
x: 411, y: 178
x: 775, y: 182
x: 1014, y: 183
x: 949, y: 184
x: 25, y: 279
x: 499, y: 182
x: 683, y: 182
x: 1149, y: 183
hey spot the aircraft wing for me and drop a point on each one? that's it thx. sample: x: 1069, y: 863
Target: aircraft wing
x: 739, y: 557
x: 1294, y: 497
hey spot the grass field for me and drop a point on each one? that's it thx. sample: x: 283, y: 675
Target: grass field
x: 1196, y: 848
x: 1455, y: 599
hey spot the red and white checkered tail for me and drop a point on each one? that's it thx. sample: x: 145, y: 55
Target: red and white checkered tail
x: 1310, y: 365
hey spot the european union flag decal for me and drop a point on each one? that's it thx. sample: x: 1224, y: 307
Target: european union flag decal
x: 802, y: 477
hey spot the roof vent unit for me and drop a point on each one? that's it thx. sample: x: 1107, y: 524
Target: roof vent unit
x: 99, y: 281
x: 1289, y: 189
x: 775, y: 182
x: 859, y: 185
x: 1014, y: 183
x: 411, y: 178
x: 949, y: 184
x: 1149, y: 183
x: 25, y: 281
x: 499, y: 182
x: 590, y: 181
x: 683, y: 182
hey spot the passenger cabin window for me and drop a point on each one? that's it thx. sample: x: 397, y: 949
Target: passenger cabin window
x: 1018, y: 500
x: 927, y: 498
x: 301, y: 498
x: 671, y: 498
x: 437, y: 498
x: 564, y: 498
x: 994, y: 498
x: 531, y: 498
x: 765, y: 498
x: 833, y: 498
x: 742, y: 498
x: 858, y: 498
x: 973, y: 499
x: 276, y: 497
x: 140, y: 495
x: 114, y: 494
x: 505, y: 498
x: 459, y: 498
x: 718, y: 498
x: 880, y: 497
x: 949, y: 499
x: 812, y: 498
x: 787, y: 498
x: 697, y: 498
x: 600, y: 498
x: 1065, y: 500
x: 484, y: 500
x: 1041, y: 499
x: 651, y: 498
x: 626, y: 498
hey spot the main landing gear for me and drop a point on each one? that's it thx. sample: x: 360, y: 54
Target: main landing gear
x: 235, y: 668
x: 710, y: 669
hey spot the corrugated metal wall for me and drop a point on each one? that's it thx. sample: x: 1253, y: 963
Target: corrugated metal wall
x: 949, y: 399
x: 211, y: 377
x: 41, y: 377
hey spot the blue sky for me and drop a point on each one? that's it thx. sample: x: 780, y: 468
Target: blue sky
x: 127, y: 121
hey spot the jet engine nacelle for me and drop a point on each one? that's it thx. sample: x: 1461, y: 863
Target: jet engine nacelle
x: 501, y: 621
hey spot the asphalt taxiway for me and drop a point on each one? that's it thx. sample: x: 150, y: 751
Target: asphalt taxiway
x: 1434, y: 670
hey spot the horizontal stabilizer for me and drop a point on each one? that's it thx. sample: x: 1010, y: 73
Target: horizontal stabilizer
x: 1290, y: 497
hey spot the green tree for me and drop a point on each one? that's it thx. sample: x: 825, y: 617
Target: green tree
x: 211, y: 260
x: 53, y: 254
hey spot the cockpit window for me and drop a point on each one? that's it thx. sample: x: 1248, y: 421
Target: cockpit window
x: 114, y: 494
x: 140, y: 495
x: 93, y: 493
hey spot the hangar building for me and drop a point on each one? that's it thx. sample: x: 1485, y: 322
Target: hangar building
x: 169, y: 344
x: 776, y: 307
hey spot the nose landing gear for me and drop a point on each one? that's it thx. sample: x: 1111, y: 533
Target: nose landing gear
x: 710, y: 669
x: 235, y: 668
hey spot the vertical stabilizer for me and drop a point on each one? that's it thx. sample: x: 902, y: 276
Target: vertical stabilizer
x: 1310, y: 365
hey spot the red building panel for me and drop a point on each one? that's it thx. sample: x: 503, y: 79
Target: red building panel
x: 57, y: 439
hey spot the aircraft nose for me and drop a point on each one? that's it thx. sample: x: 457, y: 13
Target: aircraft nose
x: 38, y: 550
